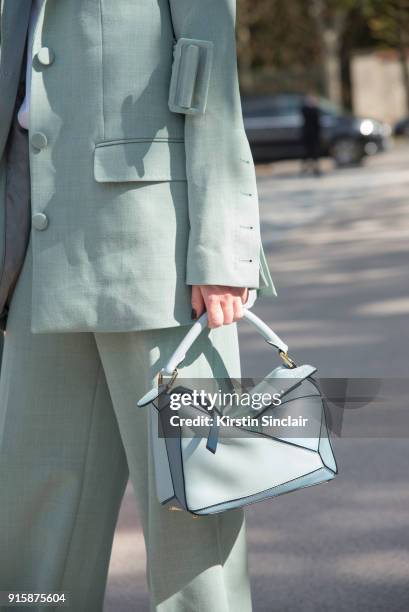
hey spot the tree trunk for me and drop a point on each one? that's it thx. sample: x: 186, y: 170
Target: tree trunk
x: 332, y: 61
x: 243, y: 35
x: 403, y: 42
x: 351, y: 33
x: 329, y: 29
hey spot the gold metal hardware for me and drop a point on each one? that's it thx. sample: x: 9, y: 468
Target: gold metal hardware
x: 177, y: 509
x: 287, y: 359
x: 172, y: 379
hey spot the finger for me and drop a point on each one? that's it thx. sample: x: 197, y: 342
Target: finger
x: 238, y: 309
x: 198, y: 304
x: 214, y: 313
x: 245, y: 296
x: 228, y: 310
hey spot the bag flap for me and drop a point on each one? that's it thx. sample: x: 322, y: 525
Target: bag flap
x: 140, y: 159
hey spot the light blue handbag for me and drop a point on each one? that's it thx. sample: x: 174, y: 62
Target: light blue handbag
x: 212, y: 468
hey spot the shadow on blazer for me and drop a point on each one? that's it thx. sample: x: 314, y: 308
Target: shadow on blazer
x: 132, y: 203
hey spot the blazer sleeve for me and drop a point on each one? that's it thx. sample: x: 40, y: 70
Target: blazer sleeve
x: 224, y: 243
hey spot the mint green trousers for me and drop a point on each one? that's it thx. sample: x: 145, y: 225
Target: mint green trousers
x: 71, y: 436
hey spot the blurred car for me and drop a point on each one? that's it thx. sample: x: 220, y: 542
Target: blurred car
x: 402, y: 127
x: 274, y: 126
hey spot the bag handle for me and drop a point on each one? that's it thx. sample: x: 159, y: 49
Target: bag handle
x: 170, y: 369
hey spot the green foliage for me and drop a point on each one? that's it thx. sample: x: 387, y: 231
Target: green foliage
x: 283, y: 33
x: 388, y: 20
x: 288, y: 42
x: 276, y: 32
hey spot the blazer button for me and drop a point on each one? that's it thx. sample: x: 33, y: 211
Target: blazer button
x: 39, y: 140
x: 40, y: 221
x: 45, y: 56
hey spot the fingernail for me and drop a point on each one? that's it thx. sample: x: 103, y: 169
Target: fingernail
x: 194, y: 314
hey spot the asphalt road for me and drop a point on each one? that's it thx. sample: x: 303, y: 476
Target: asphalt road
x: 338, y: 249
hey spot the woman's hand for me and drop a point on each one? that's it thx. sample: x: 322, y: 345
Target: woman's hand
x: 223, y: 304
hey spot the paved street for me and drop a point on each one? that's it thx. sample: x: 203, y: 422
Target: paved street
x: 338, y: 249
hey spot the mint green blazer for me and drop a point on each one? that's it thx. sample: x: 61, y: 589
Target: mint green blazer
x: 132, y: 202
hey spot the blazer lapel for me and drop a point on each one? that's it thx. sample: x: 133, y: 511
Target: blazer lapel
x: 14, y: 25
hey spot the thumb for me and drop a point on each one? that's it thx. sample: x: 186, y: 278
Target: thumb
x: 198, y: 305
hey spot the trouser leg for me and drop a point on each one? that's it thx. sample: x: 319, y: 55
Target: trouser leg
x: 63, y: 468
x: 193, y: 564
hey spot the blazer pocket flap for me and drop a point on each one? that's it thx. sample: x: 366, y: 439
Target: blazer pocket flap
x: 148, y: 160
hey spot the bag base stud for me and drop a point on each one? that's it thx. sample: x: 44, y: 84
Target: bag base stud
x: 177, y: 509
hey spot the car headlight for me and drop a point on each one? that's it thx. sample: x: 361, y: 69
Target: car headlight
x: 367, y: 127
